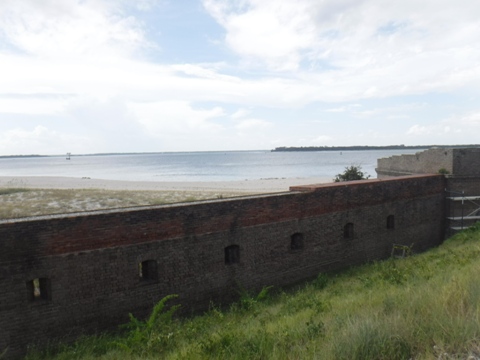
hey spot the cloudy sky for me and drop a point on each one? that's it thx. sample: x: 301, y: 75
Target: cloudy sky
x: 89, y: 76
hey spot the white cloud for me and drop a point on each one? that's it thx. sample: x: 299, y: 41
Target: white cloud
x: 252, y: 125
x: 240, y: 113
x: 346, y: 108
x: 470, y: 120
x: 279, y: 66
x: 456, y: 129
x: 42, y: 139
x: 275, y: 31
x: 420, y: 130
x: 36, y: 106
x: 66, y: 29
x: 175, y: 122
x: 322, y: 139
x: 207, y: 71
x: 387, y: 53
x: 180, y: 126
x: 337, y: 110
x: 358, y: 49
x: 145, y: 5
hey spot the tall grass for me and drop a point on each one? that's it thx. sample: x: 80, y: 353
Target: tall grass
x: 426, y: 306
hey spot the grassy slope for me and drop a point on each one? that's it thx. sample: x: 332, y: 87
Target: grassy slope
x: 422, y: 307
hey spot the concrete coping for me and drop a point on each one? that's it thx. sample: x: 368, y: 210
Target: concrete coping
x: 317, y: 187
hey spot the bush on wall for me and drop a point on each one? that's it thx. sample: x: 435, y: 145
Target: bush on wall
x: 352, y: 172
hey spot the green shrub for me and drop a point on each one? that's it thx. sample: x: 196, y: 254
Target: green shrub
x: 352, y: 172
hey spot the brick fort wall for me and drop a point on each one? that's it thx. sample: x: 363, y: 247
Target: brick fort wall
x: 70, y: 274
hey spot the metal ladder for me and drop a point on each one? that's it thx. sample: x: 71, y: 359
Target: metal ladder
x: 469, y: 212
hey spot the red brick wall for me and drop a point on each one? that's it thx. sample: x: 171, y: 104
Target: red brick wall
x: 91, y: 260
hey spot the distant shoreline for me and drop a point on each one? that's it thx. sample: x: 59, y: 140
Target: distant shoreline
x: 366, y: 147
x: 277, y: 149
x: 20, y: 156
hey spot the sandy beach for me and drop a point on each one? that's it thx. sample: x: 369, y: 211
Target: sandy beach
x: 247, y: 186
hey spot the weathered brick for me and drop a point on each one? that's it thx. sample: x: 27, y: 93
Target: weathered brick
x: 91, y: 259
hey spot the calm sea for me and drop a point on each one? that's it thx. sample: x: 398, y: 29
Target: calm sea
x: 199, y: 166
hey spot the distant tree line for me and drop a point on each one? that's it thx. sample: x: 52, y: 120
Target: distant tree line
x: 20, y: 156
x: 366, y: 147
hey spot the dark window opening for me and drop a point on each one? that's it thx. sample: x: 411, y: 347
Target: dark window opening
x: 390, y: 222
x: 296, y: 241
x: 232, y: 254
x: 348, y: 231
x: 148, y: 270
x: 38, y: 289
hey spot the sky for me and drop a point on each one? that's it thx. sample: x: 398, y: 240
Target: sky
x: 99, y: 76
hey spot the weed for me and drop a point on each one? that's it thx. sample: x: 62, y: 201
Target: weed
x: 248, y: 301
x: 321, y: 281
x: 315, y: 329
x: 217, y: 343
x: 156, y: 330
x: 389, y: 272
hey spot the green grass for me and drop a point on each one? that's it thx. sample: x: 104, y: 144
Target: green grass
x: 426, y: 306
x: 9, y: 191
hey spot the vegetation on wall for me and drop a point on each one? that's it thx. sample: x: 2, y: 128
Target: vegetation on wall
x: 425, y: 306
x: 24, y: 202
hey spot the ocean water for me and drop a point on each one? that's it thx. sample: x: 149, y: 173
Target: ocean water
x: 199, y: 166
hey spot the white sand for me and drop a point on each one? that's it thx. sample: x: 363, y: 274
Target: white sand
x: 248, y: 186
